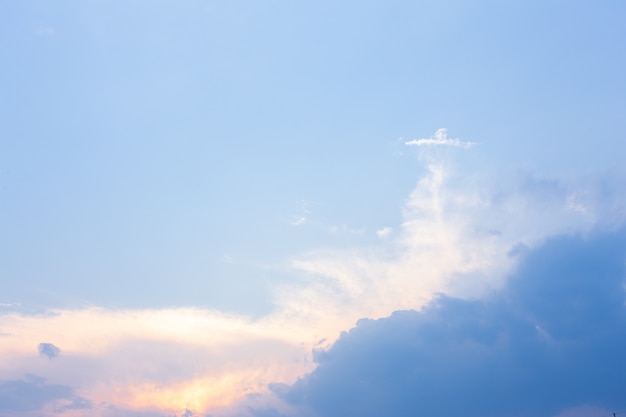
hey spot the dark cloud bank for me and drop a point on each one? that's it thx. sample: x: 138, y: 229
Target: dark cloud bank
x: 553, y: 339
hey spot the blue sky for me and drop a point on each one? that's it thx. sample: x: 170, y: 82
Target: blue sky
x: 223, y: 188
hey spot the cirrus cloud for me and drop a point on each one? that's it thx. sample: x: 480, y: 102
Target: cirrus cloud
x: 440, y: 138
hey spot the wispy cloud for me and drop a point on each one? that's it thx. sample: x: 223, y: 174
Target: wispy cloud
x: 8, y: 305
x: 384, y: 233
x: 440, y: 138
x: 164, y: 359
x: 448, y: 233
x: 303, y: 210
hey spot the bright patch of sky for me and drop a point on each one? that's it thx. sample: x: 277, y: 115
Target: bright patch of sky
x: 222, y: 188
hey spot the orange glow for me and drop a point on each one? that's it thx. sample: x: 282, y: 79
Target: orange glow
x: 201, y: 394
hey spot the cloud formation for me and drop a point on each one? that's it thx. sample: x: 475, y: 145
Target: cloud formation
x: 302, y: 213
x: 440, y: 138
x: 384, y: 232
x: 32, y: 394
x: 550, y: 342
x: 459, y: 237
x: 48, y: 350
x: 167, y: 360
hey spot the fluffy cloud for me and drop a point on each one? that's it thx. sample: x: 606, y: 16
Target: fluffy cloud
x: 550, y: 341
x: 384, y: 233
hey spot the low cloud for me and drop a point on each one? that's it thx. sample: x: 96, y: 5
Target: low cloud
x: 458, y: 236
x: 303, y: 210
x: 167, y: 360
x: 9, y: 305
x: 384, y: 233
x: 34, y: 393
x: 48, y: 350
x: 549, y: 343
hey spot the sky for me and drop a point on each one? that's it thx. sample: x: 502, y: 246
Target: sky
x: 312, y: 209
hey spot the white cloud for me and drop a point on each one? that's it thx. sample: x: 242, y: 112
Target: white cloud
x: 8, y: 305
x: 440, y: 139
x: 456, y: 238
x: 298, y: 220
x: 303, y: 210
x: 384, y: 233
x: 166, y: 359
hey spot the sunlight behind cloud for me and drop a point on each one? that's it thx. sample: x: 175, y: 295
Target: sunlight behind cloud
x: 169, y: 359
x: 200, y: 199
x: 456, y: 237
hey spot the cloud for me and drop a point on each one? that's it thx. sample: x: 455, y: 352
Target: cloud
x: 440, y: 139
x: 458, y: 236
x: 48, y: 350
x: 298, y: 220
x: 35, y: 396
x: 169, y: 360
x: 384, y: 232
x: 303, y: 210
x: 33, y: 393
x: 550, y: 342
x: 9, y: 305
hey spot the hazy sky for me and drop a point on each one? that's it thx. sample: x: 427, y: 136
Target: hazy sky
x: 198, y: 197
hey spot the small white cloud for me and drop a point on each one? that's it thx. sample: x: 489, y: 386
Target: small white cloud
x: 302, y: 212
x: 298, y: 220
x: 8, y: 305
x: 572, y: 204
x: 384, y: 232
x: 440, y: 139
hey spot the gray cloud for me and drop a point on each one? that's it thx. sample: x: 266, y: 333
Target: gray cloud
x: 552, y: 340
x: 31, y: 394
x: 35, y: 396
x: 48, y: 350
x: 77, y: 403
